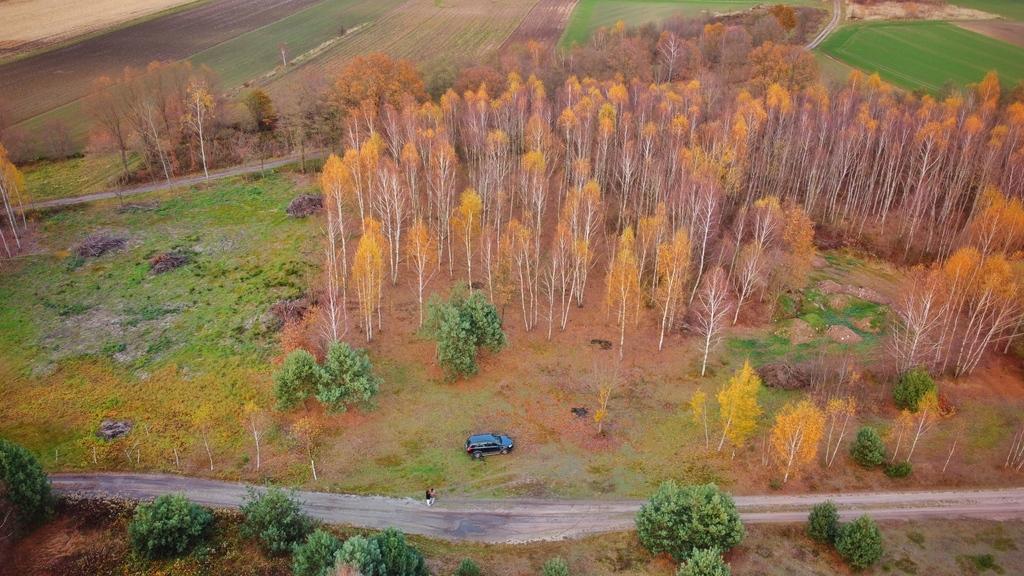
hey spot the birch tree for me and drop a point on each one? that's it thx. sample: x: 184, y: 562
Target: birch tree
x: 623, y: 284
x: 200, y: 112
x: 368, y: 275
x: 421, y: 254
x: 466, y: 222
x: 796, y: 435
x: 838, y: 412
x: 308, y: 430
x: 711, y: 311
x: 673, y: 266
x: 255, y: 421
x: 699, y: 412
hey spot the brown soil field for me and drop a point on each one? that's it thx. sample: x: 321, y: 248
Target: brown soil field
x: 424, y: 31
x: 30, y: 24
x: 40, y: 83
x: 1012, y: 32
x: 545, y: 22
x: 914, y: 11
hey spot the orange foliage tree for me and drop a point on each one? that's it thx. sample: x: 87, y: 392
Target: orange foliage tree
x: 378, y: 79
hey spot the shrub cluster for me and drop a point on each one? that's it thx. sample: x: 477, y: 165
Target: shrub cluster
x: 859, y: 542
x: 24, y: 484
x: 384, y: 554
x: 275, y: 519
x: 169, y: 526
x: 315, y: 556
x: 911, y: 388
x: 345, y: 377
x: 555, y: 567
x: 899, y: 470
x: 681, y: 520
x: 461, y: 326
x: 868, y: 450
x: 467, y: 568
x: 704, y: 562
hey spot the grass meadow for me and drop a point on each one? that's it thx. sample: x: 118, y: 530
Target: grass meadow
x: 84, y: 340
x: 925, y: 55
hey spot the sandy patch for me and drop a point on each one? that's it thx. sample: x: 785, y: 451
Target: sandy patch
x: 915, y: 11
x: 29, y: 24
x: 1012, y: 32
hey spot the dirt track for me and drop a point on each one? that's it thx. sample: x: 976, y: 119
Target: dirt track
x: 179, y: 182
x: 521, y: 520
x: 837, y: 17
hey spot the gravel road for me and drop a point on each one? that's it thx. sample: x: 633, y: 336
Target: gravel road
x: 522, y: 520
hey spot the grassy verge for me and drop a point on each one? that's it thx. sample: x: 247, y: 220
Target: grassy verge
x: 87, y: 538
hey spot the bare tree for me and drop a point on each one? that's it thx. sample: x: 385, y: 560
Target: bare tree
x: 712, y: 309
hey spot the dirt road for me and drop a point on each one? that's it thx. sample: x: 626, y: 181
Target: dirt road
x: 521, y: 520
x: 837, y: 17
x: 165, y: 185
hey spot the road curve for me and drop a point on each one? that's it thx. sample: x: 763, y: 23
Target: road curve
x: 167, y: 185
x: 837, y: 17
x: 524, y: 520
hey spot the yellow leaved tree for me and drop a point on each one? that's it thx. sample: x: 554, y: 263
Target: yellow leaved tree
x: 796, y: 434
x: 699, y: 410
x: 466, y: 222
x: 623, y: 284
x: 738, y: 409
x: 368, y: 274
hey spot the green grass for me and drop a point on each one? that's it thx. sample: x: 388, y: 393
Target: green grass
x: 589, y: 15
x: 250, y: 55
x: 1009, y: 9
x: 925, y: 55
x: 103, y: 337
x: 47, y: 180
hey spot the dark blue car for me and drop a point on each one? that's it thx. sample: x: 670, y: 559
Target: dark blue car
x: 480, y: 445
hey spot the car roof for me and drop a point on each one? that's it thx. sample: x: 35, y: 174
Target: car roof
x: 483, y: 438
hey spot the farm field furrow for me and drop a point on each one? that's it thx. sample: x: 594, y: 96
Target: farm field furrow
x: 590, y: 15
x: 425, y: 32
x: 52, y: 79
x: 31, y: 26
x: 253, y: 54
x: 545, y: 22
x: 925, y: 54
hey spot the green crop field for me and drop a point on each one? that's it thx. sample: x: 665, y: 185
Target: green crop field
x: 925, y: 54
x: 590, y: 15
x: 257, y: 52
x: 1010, y: 9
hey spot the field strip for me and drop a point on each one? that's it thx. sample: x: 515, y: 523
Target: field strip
x: 35, y: 85
x: 422, y: 31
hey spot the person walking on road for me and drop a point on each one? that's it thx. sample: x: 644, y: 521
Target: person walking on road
x: 431, y: 495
